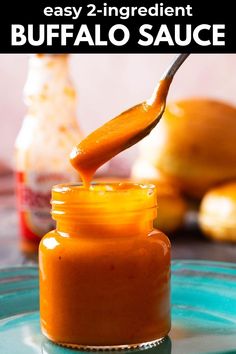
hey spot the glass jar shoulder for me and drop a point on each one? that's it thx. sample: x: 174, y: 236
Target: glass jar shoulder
x: 154, y: 245
x: 160, y: 237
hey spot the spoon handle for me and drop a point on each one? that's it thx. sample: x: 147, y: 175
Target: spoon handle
x: 174, y: 66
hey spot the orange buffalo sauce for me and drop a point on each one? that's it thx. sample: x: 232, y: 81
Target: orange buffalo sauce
x: 119, y: 133
x: 104, y: 271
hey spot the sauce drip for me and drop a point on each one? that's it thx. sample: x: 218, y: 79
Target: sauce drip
x: 119, y: 134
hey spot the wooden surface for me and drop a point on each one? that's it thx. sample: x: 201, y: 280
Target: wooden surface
x: 186, y: 244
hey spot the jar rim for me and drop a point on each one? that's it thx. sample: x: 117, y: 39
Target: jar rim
x: 104, y: 199
x: 106, y: 187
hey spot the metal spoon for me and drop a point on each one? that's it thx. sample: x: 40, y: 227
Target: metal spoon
x: 174, y: 66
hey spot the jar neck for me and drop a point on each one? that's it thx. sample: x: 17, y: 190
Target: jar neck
x: 104, y: 210
x: 122, y: 229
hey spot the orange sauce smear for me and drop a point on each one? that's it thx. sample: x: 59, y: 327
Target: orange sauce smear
x: 119, y: 134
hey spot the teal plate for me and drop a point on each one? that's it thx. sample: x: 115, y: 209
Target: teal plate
x: 203, y: 311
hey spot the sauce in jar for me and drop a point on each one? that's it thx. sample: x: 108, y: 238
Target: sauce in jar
x: 104, y: 272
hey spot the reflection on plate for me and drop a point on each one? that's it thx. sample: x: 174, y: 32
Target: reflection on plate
x: 203, y: 311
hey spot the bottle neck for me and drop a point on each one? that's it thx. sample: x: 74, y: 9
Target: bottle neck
x: 49, y: 87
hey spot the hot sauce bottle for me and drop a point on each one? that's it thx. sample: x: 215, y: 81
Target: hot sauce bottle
x: 48, y: 132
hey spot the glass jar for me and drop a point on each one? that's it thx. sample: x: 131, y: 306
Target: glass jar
x: 104, y: 271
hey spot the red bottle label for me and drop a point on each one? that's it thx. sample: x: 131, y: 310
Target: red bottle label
x: 33, y: 203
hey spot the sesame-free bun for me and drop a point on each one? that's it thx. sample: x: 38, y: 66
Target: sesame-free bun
x: 194, y: 145
x: 217, y: 217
